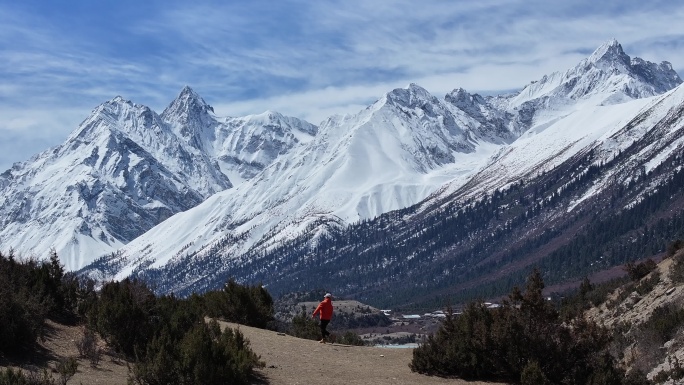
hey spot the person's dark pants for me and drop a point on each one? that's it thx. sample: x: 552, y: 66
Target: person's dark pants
x: 324, y: 325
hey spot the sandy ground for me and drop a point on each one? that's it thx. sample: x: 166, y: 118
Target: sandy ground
x: 291, y: 361
x: 288, y: 360
x: 59, y: 343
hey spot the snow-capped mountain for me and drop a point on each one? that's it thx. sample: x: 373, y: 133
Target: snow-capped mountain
x: 388, y: 156
x: 127, y: 184
x: 402, y: 149
x: 608, y: 76
x: 125, y: 169
x: 246, y: 145
x: 240, y: 146
x: 608, y: 198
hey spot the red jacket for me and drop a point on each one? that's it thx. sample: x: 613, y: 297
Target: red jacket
x: 325, y: 308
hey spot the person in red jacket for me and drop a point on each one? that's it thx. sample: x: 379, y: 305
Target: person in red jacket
x: 325, y: 308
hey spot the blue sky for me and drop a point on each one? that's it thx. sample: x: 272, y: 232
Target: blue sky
x: 59, y: 60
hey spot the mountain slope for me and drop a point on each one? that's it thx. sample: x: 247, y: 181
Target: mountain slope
x: 445, y: 194
x: 290, y: 225
x: 126, y: 169
x: 615, y: 200
x: 608, y: 76
x: 100, y: 189
x: 386, y: 157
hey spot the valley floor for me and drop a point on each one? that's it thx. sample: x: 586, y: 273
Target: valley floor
x: 291, y: 361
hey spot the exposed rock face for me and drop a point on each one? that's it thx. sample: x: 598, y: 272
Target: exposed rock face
x: 627, y: 311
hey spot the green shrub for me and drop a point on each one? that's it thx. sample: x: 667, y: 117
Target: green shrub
x: 533, y: 375
x: 66, y: 368
x: 524, y: 336
x: 204, y: 355
x: 677, y: 268
x: 636, y: 377
x: 22, y: 319
x: 673, y: 247
x: 351, y: 338
x: 364, y: 320
x: 590, y: 295
x: 640, y: 270
x: 30, y: 292
x: 123, y: 315
x: 303, y: 326
x: 647, y: 285
x: 247, y: 305
x: 87, y: 347
x: 664, y: 322
x: 675, y: 373
x: 603, y: 372
x: 167, y: 337
x: 10, y: 376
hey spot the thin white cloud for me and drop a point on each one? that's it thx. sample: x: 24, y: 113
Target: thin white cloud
x: 308, y: 59
x: 27, y: 132
x: 325, y: 101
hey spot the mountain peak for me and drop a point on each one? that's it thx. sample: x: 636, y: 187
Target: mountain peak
x: 188, y: 100
x: 459, y: 94
x: 117, y: 103
x: 660, y: 77
x: 465, y: 101
x: 417, y: 90
x: 188, y: 93
x: 188, y: 107
x: 609, y: 52
x: 409, y: 96
x: 114, y: 108
x: 191, y: 118
x: 609, y: 75
x: 187, y: 89
x: 119, y: 99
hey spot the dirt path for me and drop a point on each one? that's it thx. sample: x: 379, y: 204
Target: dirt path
x: 291, y: 361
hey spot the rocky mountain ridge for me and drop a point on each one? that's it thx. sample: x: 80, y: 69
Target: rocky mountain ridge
x: 454, y: 152
x: 126, y: 169
x: 134, y: 180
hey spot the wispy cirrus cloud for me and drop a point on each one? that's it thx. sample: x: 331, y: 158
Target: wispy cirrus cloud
x: 306, y: 59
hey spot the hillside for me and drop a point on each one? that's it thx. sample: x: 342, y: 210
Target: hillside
x: 646, y: 317
x: 59, y: 343
x: 288, y: 360
x: 615, y: 201
x: 126, y: 168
